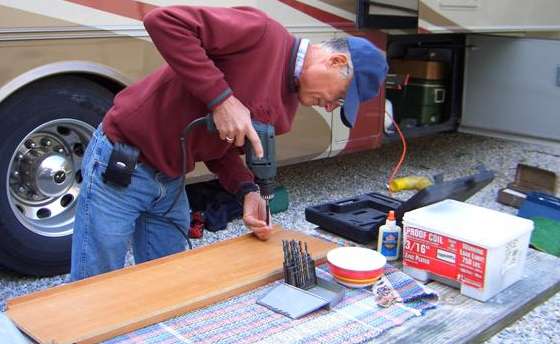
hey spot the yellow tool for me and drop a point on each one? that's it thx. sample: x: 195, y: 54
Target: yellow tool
x: 409, y: 183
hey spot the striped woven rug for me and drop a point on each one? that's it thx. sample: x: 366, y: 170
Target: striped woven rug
x: 356, y: 319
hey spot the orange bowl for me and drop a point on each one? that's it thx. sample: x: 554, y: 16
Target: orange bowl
x: 360, y: 281
x: 355, y: 266
x: 355, y: 275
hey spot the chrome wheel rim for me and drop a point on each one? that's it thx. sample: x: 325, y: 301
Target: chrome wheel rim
x: 44, y: 176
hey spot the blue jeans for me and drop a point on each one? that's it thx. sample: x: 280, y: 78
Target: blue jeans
x: 109, y: 217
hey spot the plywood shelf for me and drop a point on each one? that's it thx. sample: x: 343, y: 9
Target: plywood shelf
x: 118, y: 302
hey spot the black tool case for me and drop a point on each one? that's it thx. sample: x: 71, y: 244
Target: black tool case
x: 358, y: 218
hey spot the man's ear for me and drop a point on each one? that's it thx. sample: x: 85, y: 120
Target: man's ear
x: 338, y: 60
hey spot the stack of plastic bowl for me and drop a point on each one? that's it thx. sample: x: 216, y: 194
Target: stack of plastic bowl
x: 355, y: 267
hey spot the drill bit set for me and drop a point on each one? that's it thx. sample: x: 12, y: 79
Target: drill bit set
x: 302, y: 291
x: 299, y: 267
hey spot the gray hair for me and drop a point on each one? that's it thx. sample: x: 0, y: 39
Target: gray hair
x: 340, y: 45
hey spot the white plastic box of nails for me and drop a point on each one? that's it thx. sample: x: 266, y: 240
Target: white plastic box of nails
x: 479, y: 250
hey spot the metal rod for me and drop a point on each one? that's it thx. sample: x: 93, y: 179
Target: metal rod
x: 268, y: 213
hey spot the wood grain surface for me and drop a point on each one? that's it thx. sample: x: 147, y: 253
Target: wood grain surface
x: 121, y: 301
x: 460, y: 319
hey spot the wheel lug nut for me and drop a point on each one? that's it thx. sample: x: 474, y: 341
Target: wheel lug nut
x: 16, y: 173
x: 46, y: 142
x: 21, y: 189
x: 29, y: 144
x: 20, y: 156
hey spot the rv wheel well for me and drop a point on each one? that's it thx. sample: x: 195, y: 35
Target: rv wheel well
x: 110, y: 84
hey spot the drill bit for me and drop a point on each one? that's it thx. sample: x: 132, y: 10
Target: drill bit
x: 311, y: 267
x: 267, y: 212
x: 301, y: 266
x: 304, y: 269
x: 296, y: 264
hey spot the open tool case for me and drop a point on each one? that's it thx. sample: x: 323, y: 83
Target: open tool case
x: 358, y: 218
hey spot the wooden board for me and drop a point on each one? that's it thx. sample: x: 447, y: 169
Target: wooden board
x: 459, y: 319
x: 118, y: 302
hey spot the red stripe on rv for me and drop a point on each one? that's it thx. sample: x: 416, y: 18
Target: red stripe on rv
x: 326, y: 17
x: 126, y: 8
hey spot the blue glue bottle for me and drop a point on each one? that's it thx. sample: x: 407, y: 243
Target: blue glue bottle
x: 389, y: 239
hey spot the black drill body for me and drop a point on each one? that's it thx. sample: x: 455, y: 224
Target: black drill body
x: 264, y: 169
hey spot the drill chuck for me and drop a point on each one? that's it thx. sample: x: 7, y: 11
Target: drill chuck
x: 266, y: 188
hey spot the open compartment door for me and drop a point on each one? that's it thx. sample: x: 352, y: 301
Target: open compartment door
x: 438, y: 16
x: 387, y: 14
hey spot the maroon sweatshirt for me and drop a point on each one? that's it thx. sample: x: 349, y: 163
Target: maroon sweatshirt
x: 211, y: 53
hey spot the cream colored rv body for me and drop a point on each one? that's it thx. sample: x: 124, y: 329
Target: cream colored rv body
x: 60, y: 56
x: 440, y: 16
x: 45, y: 38
x: 104, y: 44
x: 475, y: 16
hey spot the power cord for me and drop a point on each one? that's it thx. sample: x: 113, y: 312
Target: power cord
x: 183, y: 141
x: 403, y: 155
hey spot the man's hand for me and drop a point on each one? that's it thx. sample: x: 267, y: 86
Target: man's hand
x: 254, y: 215
x: 233, y: 121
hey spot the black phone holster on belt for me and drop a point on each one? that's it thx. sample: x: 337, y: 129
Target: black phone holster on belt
x: 121, y: 165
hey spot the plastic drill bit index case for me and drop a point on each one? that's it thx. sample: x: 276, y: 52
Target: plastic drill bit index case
x: 294, y: 302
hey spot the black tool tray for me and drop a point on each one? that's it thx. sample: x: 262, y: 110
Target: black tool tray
x: 358, y: 218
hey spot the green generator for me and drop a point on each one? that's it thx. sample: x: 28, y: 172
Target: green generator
x: 422, y: 101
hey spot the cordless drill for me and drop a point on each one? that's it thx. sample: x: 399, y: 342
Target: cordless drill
x: 264, y: 168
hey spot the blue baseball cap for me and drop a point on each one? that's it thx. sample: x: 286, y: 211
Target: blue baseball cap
x: 370, y: 69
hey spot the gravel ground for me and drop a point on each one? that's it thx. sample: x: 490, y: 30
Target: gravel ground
x: 329, y: 179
